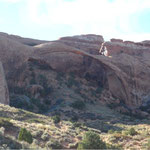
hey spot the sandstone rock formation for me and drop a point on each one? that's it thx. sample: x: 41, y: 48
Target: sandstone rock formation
x: 4, y: 94
x: 89, y: 43
x: 123, y: 70
x: 26, y: 41
x: 13, y: 55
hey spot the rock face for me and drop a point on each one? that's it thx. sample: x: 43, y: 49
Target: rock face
x: 130, y: 79
x: 122, y: 71
x: 13, y: 56
x: 121, y: 67
x: 89, y: 43
x: 26, y: 41
x: 4, y: 94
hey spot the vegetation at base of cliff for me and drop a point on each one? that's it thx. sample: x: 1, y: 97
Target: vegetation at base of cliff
x: 71, y: 108
x: 25, y: 135
x: 5, y: 122
x: 78, y: 105
x: 29, y: 130
x: 56, y: 118
x: 91, y: 140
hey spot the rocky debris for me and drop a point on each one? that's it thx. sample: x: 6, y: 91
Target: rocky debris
x: 4, y: 94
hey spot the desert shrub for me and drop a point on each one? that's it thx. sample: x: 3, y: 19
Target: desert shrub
x: 72, y: 81
x: 54, y: 145
x: 35, y: 120
x: 35, y: 101
x: 91, y: 140
x: 21, y: 101
x: 114, y: 147
x: 99, y: 90
x: 46, y: 91
x: 74, y: 118
x: 5, y: 122
x: 56, y: 119
x: 37, y: 133
x: 147, y: 145
x: 42, y: 80
x: 43, y: 108
x: 132, y: 132
x: 76, y: 124
x: 78, y: 105
x: 25, y: 135
x: 59, y: 76
x: 111, y: 131
x: 33, y: 81
x: 45, y: 136
x: 17, y: 90
x: 8, y: 143
x: 47, y: 101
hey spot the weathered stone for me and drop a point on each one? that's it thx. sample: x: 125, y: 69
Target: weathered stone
x: 26, y: 41
x: 123, y: 71
x: 4, y: 94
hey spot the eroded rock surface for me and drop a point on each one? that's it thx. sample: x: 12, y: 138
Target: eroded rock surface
x: 123, y: 70
x: 4, y: 94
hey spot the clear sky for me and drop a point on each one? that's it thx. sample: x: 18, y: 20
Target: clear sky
x: 51, y: 19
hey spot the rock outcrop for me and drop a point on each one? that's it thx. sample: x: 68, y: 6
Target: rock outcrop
x: 4, y: 94
x: 89, y: 43
x: 121, y: 67
x: 122, y: 71
x: 26, y: 41
x: 13, y: 55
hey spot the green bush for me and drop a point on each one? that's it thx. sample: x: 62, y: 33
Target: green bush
x: 78, y: 105
x: 56, y: 119
x: 99, y: 90
x: 132, y: 132
x: 111, y: 131
x: 91, y: 140
x: 25, y: 135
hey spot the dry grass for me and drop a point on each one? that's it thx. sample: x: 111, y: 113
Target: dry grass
x: 44, y: 130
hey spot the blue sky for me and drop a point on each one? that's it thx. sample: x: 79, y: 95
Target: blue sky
x: 51, y: 19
